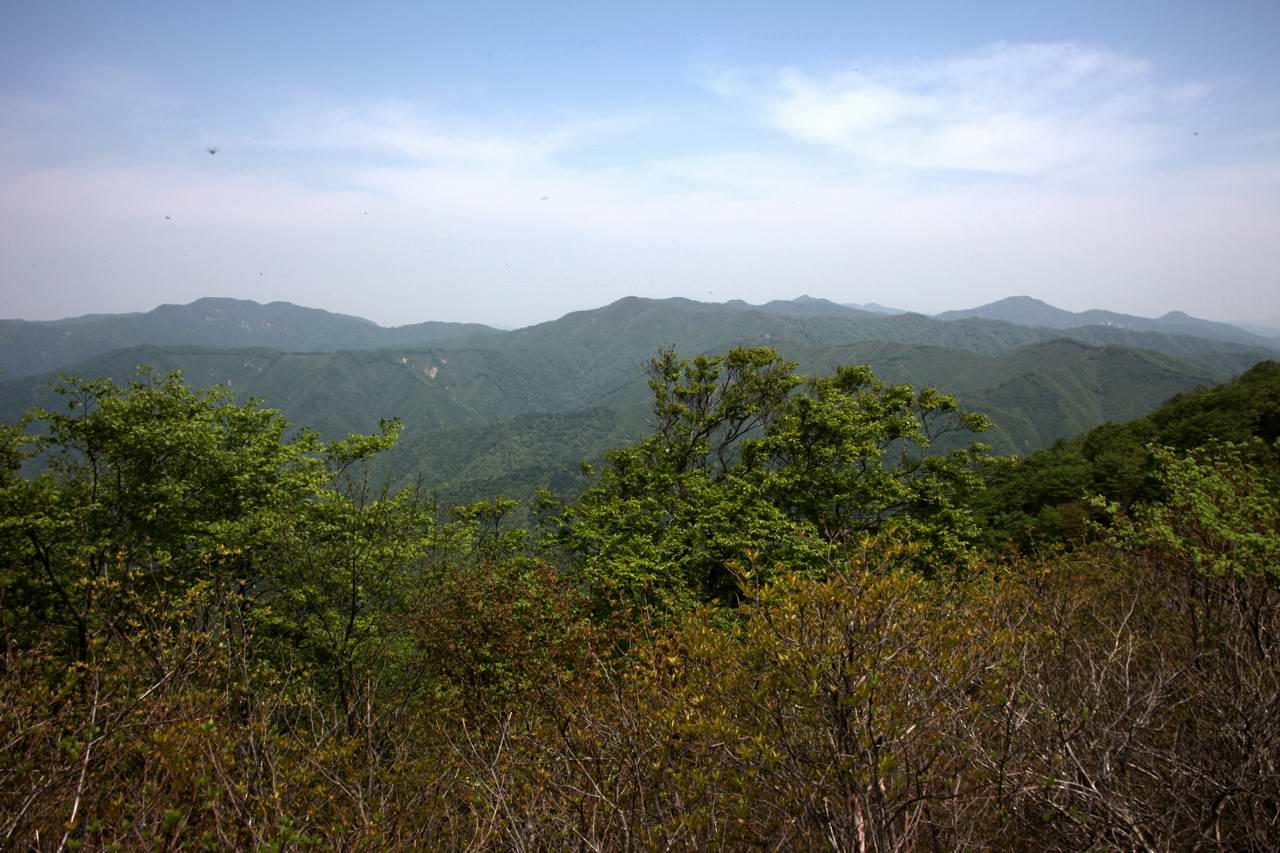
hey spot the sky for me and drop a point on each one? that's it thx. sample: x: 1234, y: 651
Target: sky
x: 509, y: 162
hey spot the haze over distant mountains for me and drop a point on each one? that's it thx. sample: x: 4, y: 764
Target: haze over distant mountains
x: 490, y: 411
x: 1026, y: 311
x: 874, y: 308
x: 1265, y: 331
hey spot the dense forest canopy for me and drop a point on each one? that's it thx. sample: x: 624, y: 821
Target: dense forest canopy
x: 804, y: 611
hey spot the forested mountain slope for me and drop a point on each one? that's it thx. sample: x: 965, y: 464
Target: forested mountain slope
x: 1043, y: 498
x: 1038, y: 393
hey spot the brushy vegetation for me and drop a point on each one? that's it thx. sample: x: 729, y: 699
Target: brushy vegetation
x: 775, y: 623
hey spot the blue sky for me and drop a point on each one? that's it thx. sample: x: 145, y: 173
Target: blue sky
x: 509, y: 162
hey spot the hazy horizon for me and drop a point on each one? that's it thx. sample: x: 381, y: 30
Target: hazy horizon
x: 507, y: 164
x: 404, y: 321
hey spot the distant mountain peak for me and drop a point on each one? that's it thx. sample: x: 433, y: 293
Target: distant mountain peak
x: 211, y: 302
x: 1029, y: 311
x: 1023, y: 299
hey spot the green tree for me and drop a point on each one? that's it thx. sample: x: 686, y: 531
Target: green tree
x: 165, y: 485
x: 752, y: 465
x: 156, y: 480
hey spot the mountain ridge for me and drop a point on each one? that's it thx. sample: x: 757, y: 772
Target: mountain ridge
x: 28, y: 347
x: 1029, y: 311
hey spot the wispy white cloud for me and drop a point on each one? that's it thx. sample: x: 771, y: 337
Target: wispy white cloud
x: 403, y: 130
x: 1030, y: 110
